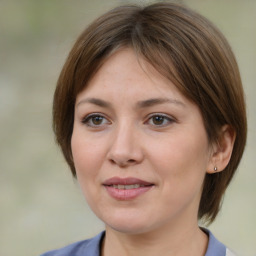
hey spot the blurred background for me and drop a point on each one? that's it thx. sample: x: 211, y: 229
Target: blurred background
x: 41, y: 205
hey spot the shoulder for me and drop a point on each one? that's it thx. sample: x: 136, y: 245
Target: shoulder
x: 89, y: 247
x: 215, y: 247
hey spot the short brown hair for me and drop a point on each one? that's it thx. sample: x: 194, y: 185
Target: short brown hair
x: 183, y: 46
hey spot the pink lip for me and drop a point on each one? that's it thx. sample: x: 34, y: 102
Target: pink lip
x: 125, y: 181
x: 126, y: 194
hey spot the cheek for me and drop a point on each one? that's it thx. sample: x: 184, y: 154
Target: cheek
x: 87, y: 163
x: 181, y: 169
x: 87, y: 158
x: 181, y: 158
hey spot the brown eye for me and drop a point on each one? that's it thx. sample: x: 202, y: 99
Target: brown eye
x: 158, y: 120
x: 95, y: 121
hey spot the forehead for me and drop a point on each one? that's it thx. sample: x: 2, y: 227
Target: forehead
x: 126, y: 74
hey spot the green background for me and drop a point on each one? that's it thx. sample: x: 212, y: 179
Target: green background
x: 41, y: 205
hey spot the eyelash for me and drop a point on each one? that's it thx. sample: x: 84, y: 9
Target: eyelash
x: 167, y: 119
x: 89, y: 119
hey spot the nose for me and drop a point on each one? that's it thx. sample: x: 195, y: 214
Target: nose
x: 125, y: 149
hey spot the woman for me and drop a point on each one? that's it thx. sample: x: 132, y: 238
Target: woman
x: 150, y: 115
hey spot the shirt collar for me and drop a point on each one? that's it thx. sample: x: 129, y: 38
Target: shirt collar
x: 93, y: 247
x: 214, y: 246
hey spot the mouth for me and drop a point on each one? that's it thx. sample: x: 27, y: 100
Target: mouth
x: 126, y: 188
x: 132, y: 186
x: 126, y: 183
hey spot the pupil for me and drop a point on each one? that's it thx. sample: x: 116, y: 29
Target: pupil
x: 97, y: 120
x: 158, y: 120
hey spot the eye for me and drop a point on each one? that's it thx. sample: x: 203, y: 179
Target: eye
x: 159, y: 120
x: 95, y: 120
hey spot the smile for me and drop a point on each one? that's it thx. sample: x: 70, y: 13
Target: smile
x: 126, y: 188
x: 119, y: 186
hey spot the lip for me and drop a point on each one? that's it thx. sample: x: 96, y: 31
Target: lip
x: 126, y: 194
x: 125, y: 181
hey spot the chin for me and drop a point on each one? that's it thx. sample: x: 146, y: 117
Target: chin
x: 128, y: 217
x: 129, y: 229
x: 133, y: 226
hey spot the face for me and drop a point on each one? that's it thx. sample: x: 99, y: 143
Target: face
x: 139, y: 146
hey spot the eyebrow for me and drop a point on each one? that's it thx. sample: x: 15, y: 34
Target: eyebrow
x: 157, y: 101
x: 140, y: 104
x: 95, y: 101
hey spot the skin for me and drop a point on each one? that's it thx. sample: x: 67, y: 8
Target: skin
x: 164, y: 143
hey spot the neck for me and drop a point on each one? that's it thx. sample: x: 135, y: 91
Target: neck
x: 165, y: 242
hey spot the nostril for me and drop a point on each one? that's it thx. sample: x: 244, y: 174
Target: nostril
x: 123, y: 163
x: 112, y: 161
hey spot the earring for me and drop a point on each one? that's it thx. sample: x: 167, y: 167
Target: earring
x: 215, y: 168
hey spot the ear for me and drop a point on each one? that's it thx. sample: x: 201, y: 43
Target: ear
x: 222, y: 150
